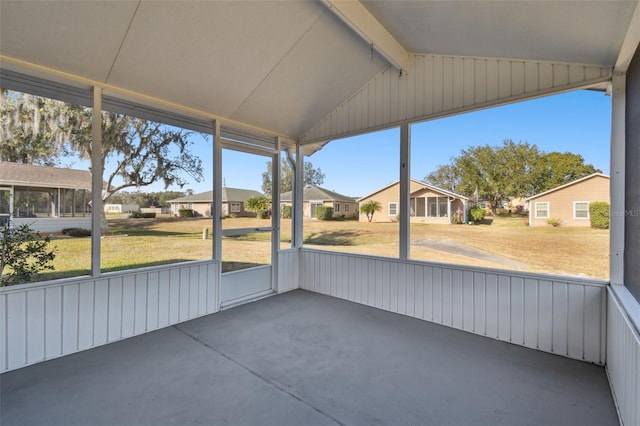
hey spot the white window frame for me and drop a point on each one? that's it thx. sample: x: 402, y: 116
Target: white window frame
x: 346, y: 208
x: 535, y: 206
x: 395, y: 208
x: 336, y: 207
x: 235, y: 208
x: 575, y: 203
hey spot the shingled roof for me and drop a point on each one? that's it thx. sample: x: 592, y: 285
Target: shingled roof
x: 228, y: 194
x: 43, y: 176
x: 316, y: 193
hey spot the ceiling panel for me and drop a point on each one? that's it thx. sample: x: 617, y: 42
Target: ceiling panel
x: 588, y: 32
x: 76, y: 37
x: 209, y: 55
x: 328, y: 64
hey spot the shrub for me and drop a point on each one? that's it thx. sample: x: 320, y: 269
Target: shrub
x: 324, y: 213
x: 476, y: 214
x: 77, y: 232
x: 554, y: 221
x: 139, y: 215
x: 264, y: 214
x: 599, y: 214
x: 185, y: 213
x: 25, y: 254
x: 286, y: 212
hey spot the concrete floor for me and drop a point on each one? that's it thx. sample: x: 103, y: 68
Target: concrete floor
x: 307, y: 359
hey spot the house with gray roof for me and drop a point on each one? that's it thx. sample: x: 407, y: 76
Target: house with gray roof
x: 49, y: 199
x: 233, y: 200
x: 314, y: 196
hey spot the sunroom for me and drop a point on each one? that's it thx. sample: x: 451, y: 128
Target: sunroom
x: 358, y: 338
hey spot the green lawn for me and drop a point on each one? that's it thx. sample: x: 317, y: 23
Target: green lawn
x: 145, y: 242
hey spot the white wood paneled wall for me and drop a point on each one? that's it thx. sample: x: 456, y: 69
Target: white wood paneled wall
x: 438, y: 85
x: 51, y: 319
x: 623, y: 357
x: 288, y: 270
x: 552, y: 314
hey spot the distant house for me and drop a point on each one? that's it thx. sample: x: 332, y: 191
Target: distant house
x: 569, y: 202
x: 314, y: 196
x: 429, y: 204
x: 233, y: 200
x: 121, y: 208
x: 49, y: 199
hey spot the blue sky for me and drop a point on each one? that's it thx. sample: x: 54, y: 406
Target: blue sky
x: 577, y: 122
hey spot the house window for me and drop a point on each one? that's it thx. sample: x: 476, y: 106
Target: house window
x: 235, y: 207
x: 542, y: 210
x: 393, y: 209
x: 346, y: 208
x: 336, y: 207
x: 581, y: 210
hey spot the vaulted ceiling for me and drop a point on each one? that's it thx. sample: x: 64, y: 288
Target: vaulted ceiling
x: 281, y: 66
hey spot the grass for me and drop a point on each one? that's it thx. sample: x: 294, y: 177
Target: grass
x: 146, y: 242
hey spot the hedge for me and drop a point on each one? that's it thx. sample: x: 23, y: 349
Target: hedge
x: 324, y: 213
x: 599, y: 212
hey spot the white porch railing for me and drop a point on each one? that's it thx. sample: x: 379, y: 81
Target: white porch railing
x: 55, y: 318
x: 560, y: 315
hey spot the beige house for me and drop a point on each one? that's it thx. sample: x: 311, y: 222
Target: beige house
x: 233, y: 200
x: 569, y: 202
x: 429, y: 204
x: 314, y: 196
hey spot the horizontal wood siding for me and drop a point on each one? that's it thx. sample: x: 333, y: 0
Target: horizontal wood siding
x: 48, y: 320
x: 288, y: 270
x: 437, y: 85
x: 623, y: 357
x: 552, y: 314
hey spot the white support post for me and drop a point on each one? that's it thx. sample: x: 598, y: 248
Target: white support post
x: 217, y: 193
x: 275, y: 214
x: 96, y: 181
x: 617, y: 182
x: 405, y: 173
x: 298, y: 187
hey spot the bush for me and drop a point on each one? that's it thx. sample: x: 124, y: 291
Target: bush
x: 264, y: 214
x: 286, y: 212
x: 324, y: 213
x: 24, y: 253
x: 599, y: 213
x: 139, y: 215
x: 554, y: 221
x: 476, y: 214
x: 185, y: 213
x: 77, y: 232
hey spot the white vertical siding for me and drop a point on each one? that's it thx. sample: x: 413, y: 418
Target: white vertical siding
x: 48, y: 320
x: 623, y: 354
x: 564, y: 316
x: 439, y: 85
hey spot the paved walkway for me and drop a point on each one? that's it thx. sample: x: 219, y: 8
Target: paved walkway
x: 454, y: 247
x: 305, y: 359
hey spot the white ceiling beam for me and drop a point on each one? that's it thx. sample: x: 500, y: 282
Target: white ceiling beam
x: 356, y: 16
x: 630, y: 42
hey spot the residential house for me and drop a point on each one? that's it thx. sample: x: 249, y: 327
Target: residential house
x: 569, y: 202
x: 429, y: 204
x: 121, y: 208
x: 49, y: 199
x: 233, y: 200
x: 314, y: 196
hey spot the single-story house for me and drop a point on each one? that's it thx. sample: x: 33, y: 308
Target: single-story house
x: 233, y: 200
x: 429, y: 204
x: 48, y: 199
x: 121, y: 208
x: 314, y: 196
x: 569, y: 202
